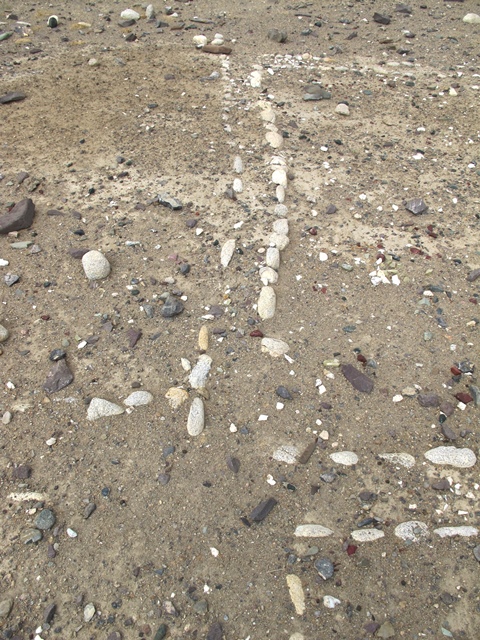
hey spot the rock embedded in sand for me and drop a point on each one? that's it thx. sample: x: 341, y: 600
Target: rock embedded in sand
x: 95, y: 265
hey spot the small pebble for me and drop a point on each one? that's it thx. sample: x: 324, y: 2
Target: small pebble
x: 138, y: 398
x: 95, y: 265
x: 100, y: 408
x: 196, y: 417
x: 312, y: 531
x: 45, y: 519
x: 88, y: 612
x: 347, y: 458
x: 325, y: 568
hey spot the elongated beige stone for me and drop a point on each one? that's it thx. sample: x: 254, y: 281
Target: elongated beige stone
x: 274, y: 347
x: 273, y: 258
x: 196, y: 417
x: 296, y: 593
x: 227, y: 252
x: 367, y: 535
x: 312, y: 531
x: 267, y: 302
x: 203, y: 338
x: 274, y: 139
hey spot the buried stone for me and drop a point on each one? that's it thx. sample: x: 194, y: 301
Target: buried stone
x: 357, y: 379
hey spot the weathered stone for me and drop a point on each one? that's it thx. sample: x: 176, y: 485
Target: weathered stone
x: 367, y: 535
x: 196, y: 417
x: 95, y: 265
x: 138, y: 399
x: 176, y: 396
x: 227, y: 252
x: 312, y: 531
x: 59, y: 377
x: 266, y: 303
x: 348, y: 458
x: 274, y: 347
x: 357, y: 379
x: 277, y: 36
x: 100, y: 408
x: 403, y: 459
x: 262, y: 510
x: 12, y: 96
x: 20, y: 217
x: 4, y: 333
x: 199, y: 374
x: 215, y: 632
x: 461, y: 458
x: 449, y: 532
x: 296, y: 593
x: 172, y: 307
x: 416, y: 206
x: 412, y: 530
x: 45, y: 520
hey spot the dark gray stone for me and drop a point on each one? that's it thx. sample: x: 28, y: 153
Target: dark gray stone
x: 49, y: 613
x: 277, y: 36
x: 215, y: 632
x: 30, y: 536
x: 262, y: 510
x: 473, y: 275
x: 45, y: 520
x: 20, y: 217
x: 428, y: 400
x: 22, y: 472
x: 57, y: 354
x: 13, y: 96
x: 283, y: 392
x: 416, y: 206
x: 11, y: 279
x: 447, y: 432
x: 172, y: 307
x: 381, y: 18
x: 325, y: 568
x: 357, y: 379
x: 233, y: 464
x: 476, y: 552
x: 59, y: 377
x: 89, y: 509
x: 78, y: 253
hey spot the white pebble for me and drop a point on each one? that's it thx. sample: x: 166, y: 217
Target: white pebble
x: 367, y: 535
x: 129, y: 14
x: 4, y: 333
x: 330, y: 602
x: 267, y: 302
x: 342, y: 109
x: 281, y: 226
x: 412, y: 530
x: 448, y: 532
x: 262, y: 417
x: 274, y: 347
x: 274, y: 139
x: 272, y: 258
x: 100, y: 408
x: 237, y: 185
x: 471, y: 18
x: 150, y: 12
x: 323, y: 256
x: 88, y: 612
x: 312, y: 531
x: 287, y: 453
x: 281, y: 210
x: 4, y: 263
x: 196, y: 417
x: 461, y: 458
x: 6, y: 418
x: 267, y: 114
x: 238, y: 164
x: 227, y: 252
x: 347, y: 458
x: 199, y: 374
x: 71, y: 533
x: 138, y: 398
x: 268, y: 275
x: 403, y: 459
x: 279, y: 240
x: 95, y: 265
x: 280, y: 193
x: 279, y: 176
x: 200, y: 41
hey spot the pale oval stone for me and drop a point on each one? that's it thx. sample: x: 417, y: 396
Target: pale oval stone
x: 4, y: 333
x: 196, y: 418
x: 200, y: 41
x: 279, y: 176
x: 296, y: 593
x: 297, y: 636
x: 100, y: 408
x: 272, y: 258
x: 281, y: 210
x: 267, y: 302
x: 347, y: 458
x: 237, y: 185
x: 203, y: 338
x: 287, y: 453
x: 403, y: 459
x: 280, y: 193
x: 129, y: 14
x: 199, y: 374
x: 95, y: 265
x: 278, y: 160
x: 88, y: 612
x: 186, y: 366
x: 367, y: 535
x: 268, y: 275
x: 471, y: 18
x: 150, y: 12
x: 342, y: 109
x: 330, y: 602
x: 255, y: 79
x: 412, y: 530
x: 279, y: 240
x: 274, y: 347
x: 218, y: 41
x: 176, y: 396
x: 267, y: 114
x: 138, y: 399
x: 274, y: 139
x: 238, y: 164
x: 281, y: 226
x: 449, y: 532
x: 312, y: 531
x: 461, y: 458
x: 227, y: 252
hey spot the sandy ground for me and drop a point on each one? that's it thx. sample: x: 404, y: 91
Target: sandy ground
x: 106, y: 126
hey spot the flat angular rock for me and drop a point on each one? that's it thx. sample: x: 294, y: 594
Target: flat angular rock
x: 348, y: 458
x: 316, y: 92
x: 403, y: 459
x: 166, y: 200
x: 367, y: 535
x: 196, y: 418
x: 357, y: 379
x: 274, y: 347
x: 59, y: 377
x: 267, y: 301
x: 412, y: 530
x: 449, y: 532
x: 325, y: 568
x: 386, y: 630
x: 461, y: 458
x: 312, y: 531
x: 133, y: 336
x: 226, y: 253
x: 429, y: 400
x: 138, y: 399
x: 13, y: 96
x: 172, y: 307
x: 233, y: 464
x: 417, y: 206
x: 20, y: 217
x: 296, y: 593
x: 381, y: 18
x: 45, y: 519
x: 100, y: 408
x: 262, y: 510
x: 199, y: 374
